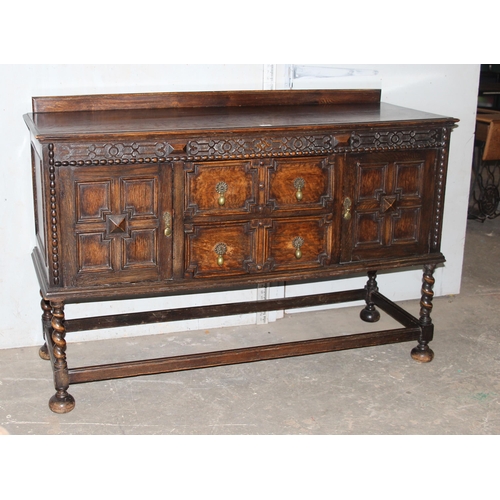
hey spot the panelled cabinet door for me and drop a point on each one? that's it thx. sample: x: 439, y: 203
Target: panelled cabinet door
x: 117, y: 223
x: 387, y: 206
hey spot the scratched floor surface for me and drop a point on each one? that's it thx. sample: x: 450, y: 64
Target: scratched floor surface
x: 377, y: 390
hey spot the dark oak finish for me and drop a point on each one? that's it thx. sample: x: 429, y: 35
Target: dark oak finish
x: 217, y: 99
x: 144, y: 195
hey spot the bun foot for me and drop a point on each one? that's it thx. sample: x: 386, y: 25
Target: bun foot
x: 422, y: 354
x: 61, y: 402
x: 370, y: 315
x: 43, y: 352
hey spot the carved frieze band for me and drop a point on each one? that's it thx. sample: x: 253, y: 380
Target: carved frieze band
x: 93, y: 154
x: 244, y: 147
x: 262, y: 146
x: 396, y: 139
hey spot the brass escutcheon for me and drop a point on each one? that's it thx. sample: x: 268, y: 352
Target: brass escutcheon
x: 347, y: 209
x: 167, y: 218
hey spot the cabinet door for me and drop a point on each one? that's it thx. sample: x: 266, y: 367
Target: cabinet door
x: 388, y: 204
x: 116, y: 224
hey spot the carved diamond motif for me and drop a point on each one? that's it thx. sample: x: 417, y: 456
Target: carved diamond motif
x: 117, y: 225
x: 387, y: 203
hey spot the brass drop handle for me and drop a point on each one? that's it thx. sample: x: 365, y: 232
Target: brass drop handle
x: 220, y: 249
x: 297, y: 243
x: 347, y: 209
x: 167, y: 218
x: 299, y: 184
x: 221, y: 189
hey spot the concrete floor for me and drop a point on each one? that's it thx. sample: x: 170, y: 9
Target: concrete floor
x: 370, y: 391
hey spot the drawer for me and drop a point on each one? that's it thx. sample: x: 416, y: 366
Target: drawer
x: 299, y: 243
x: 220, y: 188
x: 219, y: 249
x: 300, y: 183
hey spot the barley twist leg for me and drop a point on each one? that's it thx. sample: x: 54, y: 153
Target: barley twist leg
x: 43, y: 352
x: 62, y: 401
x: 422, y: 352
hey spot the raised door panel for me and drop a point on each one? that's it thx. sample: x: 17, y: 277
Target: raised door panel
x: 114, y: 224
x: 389, y: 202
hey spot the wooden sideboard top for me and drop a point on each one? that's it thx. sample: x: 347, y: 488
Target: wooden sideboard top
x: 73, y: 117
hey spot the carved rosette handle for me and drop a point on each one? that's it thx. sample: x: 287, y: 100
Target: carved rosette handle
x: 221, y: 189
x: 297, y: 243
x: 220, y: 249
x: 299, y: 184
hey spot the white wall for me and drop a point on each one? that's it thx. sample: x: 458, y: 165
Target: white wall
x: 443, y: 89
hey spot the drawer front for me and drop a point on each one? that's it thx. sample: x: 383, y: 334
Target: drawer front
x: 219, y: 250
x: 261, y: 245
x: 300, y: 184
x: 220, y: 188
x: 295, y: 244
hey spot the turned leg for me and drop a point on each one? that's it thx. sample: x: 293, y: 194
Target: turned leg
x: 369, y: 313
x: 46, y: 327
x: 62, y: 401
x: 423, y: 352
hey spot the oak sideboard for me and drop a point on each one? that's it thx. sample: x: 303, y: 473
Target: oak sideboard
x: 163, y: 194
